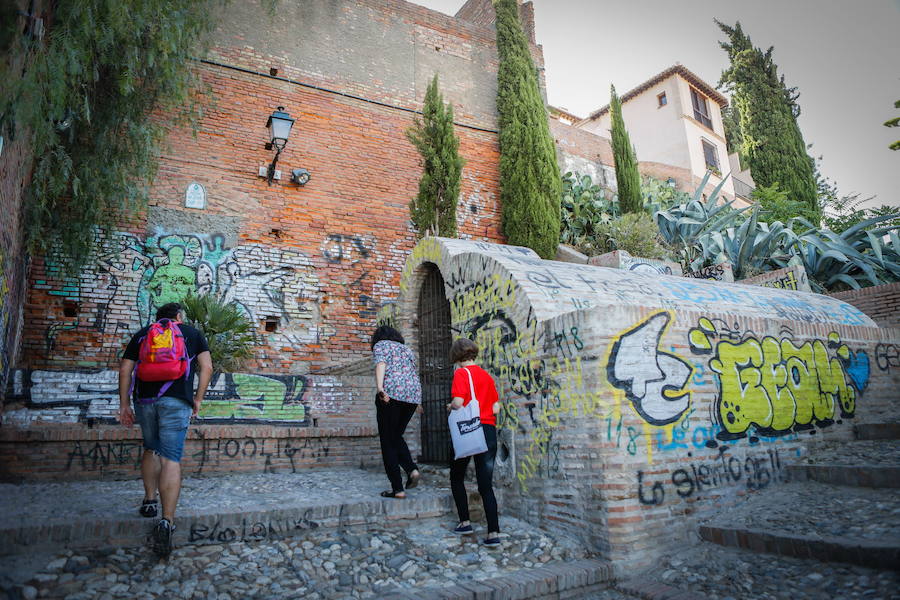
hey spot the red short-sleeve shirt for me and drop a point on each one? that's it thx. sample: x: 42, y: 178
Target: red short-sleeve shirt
x: 485, y: 391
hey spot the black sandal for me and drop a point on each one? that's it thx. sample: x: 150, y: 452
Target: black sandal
x: 411, y: 481
x: 149, y: 508
x: 387, y: 494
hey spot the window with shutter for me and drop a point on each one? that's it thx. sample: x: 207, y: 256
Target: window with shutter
x: 701, y: 108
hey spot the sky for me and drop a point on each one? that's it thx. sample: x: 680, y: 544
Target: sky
x: 843, y: 55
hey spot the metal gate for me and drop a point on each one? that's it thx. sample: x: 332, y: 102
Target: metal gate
x: 435, y: 370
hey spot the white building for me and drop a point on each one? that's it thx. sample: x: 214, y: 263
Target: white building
x: 675, y: 118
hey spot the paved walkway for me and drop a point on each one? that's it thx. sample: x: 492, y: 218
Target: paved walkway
x: 809, y: 507
x: 718, y: 573
x: 882, y: 453
x: 422, y: 558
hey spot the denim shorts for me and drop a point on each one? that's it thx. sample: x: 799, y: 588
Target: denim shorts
x: 164, y: 425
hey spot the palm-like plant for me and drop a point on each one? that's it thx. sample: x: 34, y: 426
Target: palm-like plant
x: 227, y: 329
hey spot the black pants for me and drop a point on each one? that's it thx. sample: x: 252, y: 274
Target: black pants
x: 484, y: 473
x: 393, y: 417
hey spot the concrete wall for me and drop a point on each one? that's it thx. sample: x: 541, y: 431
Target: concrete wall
x: 633, y: 405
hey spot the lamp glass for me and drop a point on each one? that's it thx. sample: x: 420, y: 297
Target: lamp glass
x: 280, y: 124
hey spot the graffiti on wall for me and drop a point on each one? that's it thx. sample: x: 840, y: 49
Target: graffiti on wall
x: 654, y: 381
x: 692, y: 481
x: 133, y: 277
x: 776, y: 385
x: 77, y: 396
x: 887, y: 356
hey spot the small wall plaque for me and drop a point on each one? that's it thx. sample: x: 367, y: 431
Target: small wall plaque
x: 195, y: 196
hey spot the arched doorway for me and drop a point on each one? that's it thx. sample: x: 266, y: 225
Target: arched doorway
x: 435, y: 370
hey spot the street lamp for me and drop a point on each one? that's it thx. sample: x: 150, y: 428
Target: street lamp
x: 279, y: 125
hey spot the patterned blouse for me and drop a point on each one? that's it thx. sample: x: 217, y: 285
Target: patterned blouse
x: 401, y: 377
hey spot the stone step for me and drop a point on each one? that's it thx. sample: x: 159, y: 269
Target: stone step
x: 569, y: 580
x: 872, y: 554
x: 212, y: 510
x: 877, y: 431
x: 708, y: 570
x: 856, y: 476
x: 815, y: 520
x: 861, y: 463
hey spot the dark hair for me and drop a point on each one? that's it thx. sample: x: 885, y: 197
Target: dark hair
x: 168, y: 311
x: 462, y: 350
x: 386, y: 332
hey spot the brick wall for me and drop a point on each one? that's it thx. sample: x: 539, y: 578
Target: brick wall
x: 880, y: 302
x: 110, y: 452
x: 625, y: 415
x: 318, y: 262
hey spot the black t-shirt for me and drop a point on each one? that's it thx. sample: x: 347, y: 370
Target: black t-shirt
x: 183, y: 387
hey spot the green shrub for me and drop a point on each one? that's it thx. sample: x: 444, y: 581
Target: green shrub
x: 227, y: 330
x: 636, y: 233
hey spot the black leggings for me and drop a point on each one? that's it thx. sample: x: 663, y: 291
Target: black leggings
x: 484, y: 473
x: 393, y: 417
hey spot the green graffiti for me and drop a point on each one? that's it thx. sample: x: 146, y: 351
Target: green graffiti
x: 172, y: 281
x: 255, y: 397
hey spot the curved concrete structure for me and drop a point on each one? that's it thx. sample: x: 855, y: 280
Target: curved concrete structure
x: 631, y: 401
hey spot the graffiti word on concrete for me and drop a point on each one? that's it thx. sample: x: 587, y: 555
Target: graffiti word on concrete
x: 777, y: 385
x: 483, y: 297
x: 654, y: 381
x: 713, y: 272
x: 96, y: 456
x: 214, y: 452
x: 250, y: 531
x: 757, y: 472
x: 887, y: 356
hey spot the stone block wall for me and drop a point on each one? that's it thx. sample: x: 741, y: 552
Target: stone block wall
x: 880, y: 302
x: 634, y: 405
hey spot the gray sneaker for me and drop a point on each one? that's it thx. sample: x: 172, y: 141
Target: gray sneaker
x: 162, y: 538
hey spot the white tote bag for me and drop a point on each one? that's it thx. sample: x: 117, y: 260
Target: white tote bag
x: 465, y: 427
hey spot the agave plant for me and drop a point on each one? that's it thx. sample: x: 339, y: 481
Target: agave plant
x: 584, y: 209
x: 859, y: 256
x: 227, y: 329
x: 682, y: 227
x: 751, y: 247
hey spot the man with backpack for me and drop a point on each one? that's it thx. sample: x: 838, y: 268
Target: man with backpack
x: 157, y: 370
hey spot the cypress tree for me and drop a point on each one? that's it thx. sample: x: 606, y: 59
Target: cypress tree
x: 433, y: 210
x: 771, y: 142
x: 628, y: 180
x: 530, y: 185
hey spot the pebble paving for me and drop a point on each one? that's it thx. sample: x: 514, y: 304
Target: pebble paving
x: 811, y: 508
x: 48, y: 503
x: 320, y: 565
x: 881, y: 453
x: 730, y: 574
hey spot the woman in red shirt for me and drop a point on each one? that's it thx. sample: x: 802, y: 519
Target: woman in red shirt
x: 464, y: 352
